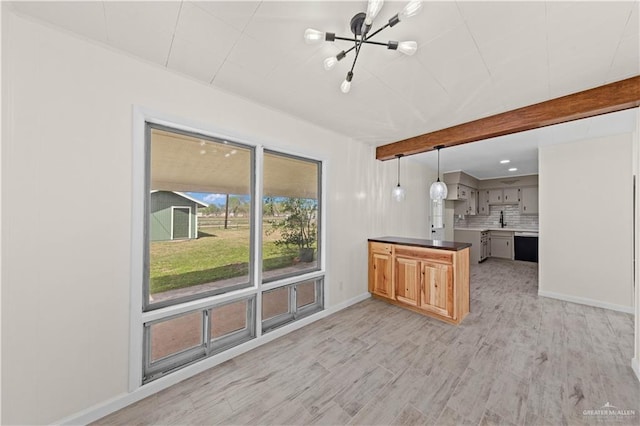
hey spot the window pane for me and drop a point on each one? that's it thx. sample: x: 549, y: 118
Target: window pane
x: 290, y: 216
x: 228, y: 318
x: 175, y: 335
x: 305, y: 293
x: 199, y: 222
x: 275, y: 302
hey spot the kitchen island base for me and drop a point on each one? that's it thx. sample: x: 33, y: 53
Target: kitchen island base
x: 425, y: 276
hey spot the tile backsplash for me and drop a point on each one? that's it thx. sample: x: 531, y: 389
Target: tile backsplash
x: 512, y: 218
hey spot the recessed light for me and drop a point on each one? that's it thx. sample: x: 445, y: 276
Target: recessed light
x: 504, y: 161
x: 513, y: 169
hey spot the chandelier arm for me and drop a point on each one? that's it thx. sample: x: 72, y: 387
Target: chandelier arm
x: 357, y: 47
x: 367, y: 37
x: 363, y: 41
x: 349, y: 50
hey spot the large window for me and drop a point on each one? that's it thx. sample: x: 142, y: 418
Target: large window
x: 208, y: 244
x: 199, y: 216
x: 290, y: 216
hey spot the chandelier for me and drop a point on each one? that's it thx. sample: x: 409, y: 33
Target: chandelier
x: 361, y: 25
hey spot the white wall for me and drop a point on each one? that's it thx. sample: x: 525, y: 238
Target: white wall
x: 66, y: 218
x: 586, y: 222
x: 3, y: 136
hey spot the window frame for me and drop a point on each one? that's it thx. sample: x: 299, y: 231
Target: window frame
x: 139, y: 317
x: 319, y: 214
x: 147, y: 306
x: 294, y: 312
x: 153, y: 370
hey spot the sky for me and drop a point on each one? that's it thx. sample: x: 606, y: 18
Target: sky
x: 217, y: 199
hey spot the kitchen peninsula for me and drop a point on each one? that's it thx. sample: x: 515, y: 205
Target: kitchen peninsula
x: 430, y: 277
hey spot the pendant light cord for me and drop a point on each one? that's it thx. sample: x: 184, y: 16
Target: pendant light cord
x: 398, y: 157
x: 439, y: 147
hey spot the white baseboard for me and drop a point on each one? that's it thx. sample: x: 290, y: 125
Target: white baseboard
x: 585, y: 301
x: 98, y: 411
x: 635, y: 365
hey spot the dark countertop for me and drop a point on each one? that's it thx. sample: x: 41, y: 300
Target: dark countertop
x: 418, y: 242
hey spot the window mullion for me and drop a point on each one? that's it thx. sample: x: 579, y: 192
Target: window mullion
x: 257, y: 234
x: 206, y: 331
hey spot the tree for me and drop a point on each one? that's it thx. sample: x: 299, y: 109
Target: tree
x: 299, y: 227
x: 212, y: 209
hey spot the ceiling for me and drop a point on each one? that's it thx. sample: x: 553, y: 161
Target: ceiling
x: 474, y: 58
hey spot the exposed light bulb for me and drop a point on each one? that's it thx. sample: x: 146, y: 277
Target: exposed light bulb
x: 313, y: 36
x: 411, y: 9
x: 407, y: 47
x: 330, y: 62
x: 345, y: 86
x: 398, y: 193
x: 373, y: 8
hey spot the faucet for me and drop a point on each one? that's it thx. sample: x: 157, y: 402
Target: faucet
x: 502, y: 224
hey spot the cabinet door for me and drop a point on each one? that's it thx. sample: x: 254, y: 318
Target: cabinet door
x: 495, y: 196
x: 463, y: 192
x: 483, y: 202
x: 461, y: 207
x: 437, y: 289
x: 407, y: 280
x: 510, y: 195
x: 380, y: 274
x: 501, y: 247
x: 472, y: 207
x: 529, y: 200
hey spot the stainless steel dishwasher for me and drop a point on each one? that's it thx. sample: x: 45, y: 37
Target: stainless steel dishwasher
x: 525, y: 246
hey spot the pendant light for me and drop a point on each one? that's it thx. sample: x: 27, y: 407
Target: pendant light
x: 438, y: 189
x: 398, y: 192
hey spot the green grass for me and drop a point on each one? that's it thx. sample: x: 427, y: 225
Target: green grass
x: 218, y: 254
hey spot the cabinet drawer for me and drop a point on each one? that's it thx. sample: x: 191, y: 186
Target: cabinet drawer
x: 380, y: 247
x: 430, y: 255
x: 499, y: 234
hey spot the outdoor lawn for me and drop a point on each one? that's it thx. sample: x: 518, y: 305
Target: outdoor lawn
x: 216, y: 255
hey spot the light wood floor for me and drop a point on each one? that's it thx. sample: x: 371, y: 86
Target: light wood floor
x: 516, y: 359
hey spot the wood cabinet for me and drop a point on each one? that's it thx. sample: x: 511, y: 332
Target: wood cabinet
x: 501, y: 244
x: 380, y: 269
x: 429, y: 281
x: 528, y: 200
x: 437, y: 289
x: 408, y: 280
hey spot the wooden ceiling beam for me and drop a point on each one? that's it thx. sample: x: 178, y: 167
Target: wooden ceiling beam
x: 611, y: 97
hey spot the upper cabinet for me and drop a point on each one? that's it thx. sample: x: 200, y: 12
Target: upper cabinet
x: 483, y: 201
x: 528, y: 200
x: 510, y: 195
x: 503, y: 196
x: 458, y: 192
x: 471, y: 196
x: 468, y: 206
